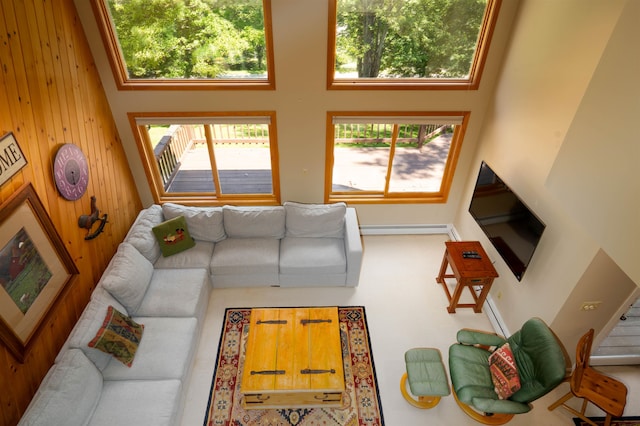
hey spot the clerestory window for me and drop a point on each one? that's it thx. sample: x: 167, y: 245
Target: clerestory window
x: 225, y: 158
x: 409, y: 44
x: 188, y: 44
x: 392, y: 157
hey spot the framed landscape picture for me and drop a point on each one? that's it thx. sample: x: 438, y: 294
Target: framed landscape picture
x: 34, y: 269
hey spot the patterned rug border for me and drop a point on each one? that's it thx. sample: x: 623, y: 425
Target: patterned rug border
x: 635, y: 419
x: 222, y: 335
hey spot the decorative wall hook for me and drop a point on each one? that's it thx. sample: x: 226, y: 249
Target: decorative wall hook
x: 86, y: 221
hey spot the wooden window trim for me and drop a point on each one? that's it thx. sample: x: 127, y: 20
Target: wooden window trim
x: 123, y: 82
x: 196, y: 198
x: 471, y: 83
x: 375, y: 197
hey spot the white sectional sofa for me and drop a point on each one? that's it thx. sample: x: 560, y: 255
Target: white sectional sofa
x: 291, y: 245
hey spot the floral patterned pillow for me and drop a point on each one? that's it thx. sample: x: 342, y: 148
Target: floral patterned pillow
x: 504, y: 371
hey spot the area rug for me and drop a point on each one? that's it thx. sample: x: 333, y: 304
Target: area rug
x: 361, y: 402
x: 622, y: 421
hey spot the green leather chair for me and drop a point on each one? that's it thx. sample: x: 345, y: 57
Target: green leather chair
x: 541, y: 362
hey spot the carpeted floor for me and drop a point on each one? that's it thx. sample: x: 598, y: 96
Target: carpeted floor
x: 361, y: 403
x: 623, y: 421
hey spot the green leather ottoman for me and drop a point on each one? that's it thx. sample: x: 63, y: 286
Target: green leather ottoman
x: 426, y: 376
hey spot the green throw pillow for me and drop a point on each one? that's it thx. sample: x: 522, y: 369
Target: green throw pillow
x: 119, y: 336
x: 173, y: 236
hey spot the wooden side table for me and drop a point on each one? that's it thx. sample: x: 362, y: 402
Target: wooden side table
x: 468, y: 272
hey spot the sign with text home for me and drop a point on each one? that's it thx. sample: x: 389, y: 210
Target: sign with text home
x: 11, y: 157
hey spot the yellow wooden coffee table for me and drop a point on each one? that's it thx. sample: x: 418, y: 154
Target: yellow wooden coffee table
x: 293, y: 359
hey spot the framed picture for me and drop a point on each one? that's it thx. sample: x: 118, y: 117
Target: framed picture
x: 34, y: 269
x: 12, y: 159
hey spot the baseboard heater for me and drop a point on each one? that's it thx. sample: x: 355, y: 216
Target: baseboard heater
x: 615, y: 359
x: 405, y: 229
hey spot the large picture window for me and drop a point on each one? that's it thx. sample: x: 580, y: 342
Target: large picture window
x: 392, y: 157
x: 188, y: 44
x: 409, y: 44
x: 210, y: 159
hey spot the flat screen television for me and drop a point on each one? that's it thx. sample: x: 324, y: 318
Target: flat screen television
x: 513, y: 229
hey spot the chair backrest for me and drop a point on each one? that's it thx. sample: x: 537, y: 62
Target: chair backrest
x: 583, y: 353
x: 540, y: 358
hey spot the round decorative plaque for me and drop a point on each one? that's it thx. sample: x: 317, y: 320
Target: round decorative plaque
x: 71, y: 172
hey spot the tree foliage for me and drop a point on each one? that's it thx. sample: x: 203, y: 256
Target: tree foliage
x: 189, y: 38
x: 213, y: 38
x: 409, y: 38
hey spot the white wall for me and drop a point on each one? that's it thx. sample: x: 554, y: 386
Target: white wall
x: 555, y: 50
x: 601, y: 152
x: 301, y: 102
x: 602, y: 281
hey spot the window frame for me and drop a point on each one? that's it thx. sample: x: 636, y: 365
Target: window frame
x: 154, y: 178
x: 123, y: 82
x: 384, y: 197
x: 471, y: 83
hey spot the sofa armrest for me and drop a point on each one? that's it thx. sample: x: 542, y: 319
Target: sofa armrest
x: 353, y: 247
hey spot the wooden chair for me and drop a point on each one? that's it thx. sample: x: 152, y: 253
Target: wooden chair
x: 607, y: 393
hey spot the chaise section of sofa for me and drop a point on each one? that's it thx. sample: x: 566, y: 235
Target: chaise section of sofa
x: 171, y: 305
x: 74, y: 392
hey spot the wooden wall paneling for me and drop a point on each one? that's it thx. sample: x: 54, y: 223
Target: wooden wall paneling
x: 51, y: 93
x: 6, y: 117
x: 61, y: 94
x: 11, y: 53
x: 58, y: 97
x: 101, y: 186
x: 78, y: 135
x: 44, y: 81
x: 80, y: 61
x: 26, y: 69
x: 80, y: 130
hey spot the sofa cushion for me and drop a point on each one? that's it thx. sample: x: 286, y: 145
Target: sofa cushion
x: 315, y: 220
x: 246, y: 256
x: 103, y: 296
x: 176, y: 293
x: 140, y: 235
x: 198, y: 256
x: 312, y: 256
x: 127, y: 277
x: 68, y: 395
x: 205, y: 223
x: 173, y: 236
x: 138, y: 402
x: 254, y: 222
x: 85, y: 330
x: 165, y: 352
x: 119, y: 336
